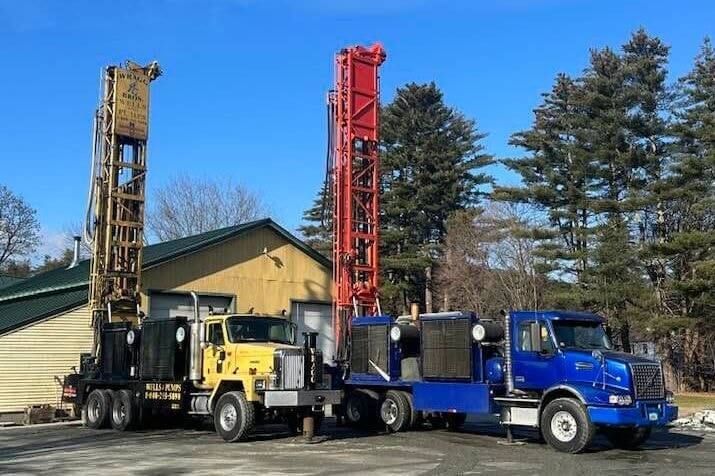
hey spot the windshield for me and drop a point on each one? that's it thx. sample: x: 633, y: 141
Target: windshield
x: 581, y: 335
x: 256, y: 329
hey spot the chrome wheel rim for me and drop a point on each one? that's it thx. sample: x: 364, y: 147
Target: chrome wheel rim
x: 228, y: 417
x: 564, y: 426
x: 93, y: 410
x: 389, y: 411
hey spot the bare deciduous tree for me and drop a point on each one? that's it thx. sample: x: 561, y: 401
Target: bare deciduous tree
x: 19, y: 227
x: 187, y: 205
x: 489, y: 262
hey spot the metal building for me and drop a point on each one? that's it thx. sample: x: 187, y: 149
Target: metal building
x: 255, y: 267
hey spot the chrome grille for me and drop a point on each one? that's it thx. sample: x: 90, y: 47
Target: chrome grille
x: 648, y: 381
x: 288, y: 364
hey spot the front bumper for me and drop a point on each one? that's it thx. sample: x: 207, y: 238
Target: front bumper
x: 657, y: 413
x: 301, y: 398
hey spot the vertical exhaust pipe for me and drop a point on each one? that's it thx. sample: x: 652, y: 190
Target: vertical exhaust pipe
x: 75, y: 255
x: 508, y: 375
x: 195, y: 350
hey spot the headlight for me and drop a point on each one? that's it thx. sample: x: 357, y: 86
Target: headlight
x: 478, y: 332
x: 620, y: 399
x: 180, y: 335
x: 259, y: 384
x: 395, y: 333
x: 131, y: 337
x: 669, y: 396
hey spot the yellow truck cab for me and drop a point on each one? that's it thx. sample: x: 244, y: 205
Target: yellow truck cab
x: 239, y: 369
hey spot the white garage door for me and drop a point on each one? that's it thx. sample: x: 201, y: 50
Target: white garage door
x: 316, y: 317
x: 165, y: 305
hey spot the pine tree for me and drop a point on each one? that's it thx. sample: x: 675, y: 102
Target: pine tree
x: 431, y: 166
x: 558, y: 178
x: 317, y: 230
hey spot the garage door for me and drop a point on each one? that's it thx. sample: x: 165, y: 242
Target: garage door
x: 165, y: 305
x: 316, y: 317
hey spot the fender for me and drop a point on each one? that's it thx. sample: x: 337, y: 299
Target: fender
x: 561, y: 388
x: 222, y: 386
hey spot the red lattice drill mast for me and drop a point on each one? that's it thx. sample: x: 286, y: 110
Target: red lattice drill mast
x: 355, y: 108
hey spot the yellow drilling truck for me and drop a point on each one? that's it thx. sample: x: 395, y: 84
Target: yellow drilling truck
x: 238, y: 369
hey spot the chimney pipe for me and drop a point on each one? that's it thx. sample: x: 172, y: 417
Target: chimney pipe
x: 75, y: 255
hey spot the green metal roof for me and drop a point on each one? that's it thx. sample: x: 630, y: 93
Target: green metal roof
x: 62, y: 289
x: 6, y: 281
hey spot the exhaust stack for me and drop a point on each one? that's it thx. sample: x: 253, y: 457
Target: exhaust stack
x: 75, y: 255
x: 508, y: 376
x: 197, y: 337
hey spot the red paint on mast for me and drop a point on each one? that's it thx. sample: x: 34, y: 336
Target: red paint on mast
x: 355, y: 186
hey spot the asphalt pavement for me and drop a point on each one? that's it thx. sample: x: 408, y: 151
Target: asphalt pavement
x: 478, y: 449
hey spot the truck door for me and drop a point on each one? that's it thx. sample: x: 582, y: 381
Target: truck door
x: 536, y: 364
x: 214, y: 353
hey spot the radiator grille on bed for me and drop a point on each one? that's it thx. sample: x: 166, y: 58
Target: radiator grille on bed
x: 369, y: 343
x: 446, y: 349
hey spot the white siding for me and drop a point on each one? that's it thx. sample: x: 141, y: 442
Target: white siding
x: 32, y: 357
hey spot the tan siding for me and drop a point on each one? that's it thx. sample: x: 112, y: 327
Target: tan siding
x: 30, y: 358
x: 266, y: 283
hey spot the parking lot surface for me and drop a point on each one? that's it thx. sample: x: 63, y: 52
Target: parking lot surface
x: 478, y: 449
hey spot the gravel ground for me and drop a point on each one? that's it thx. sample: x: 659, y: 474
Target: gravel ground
x: 476, y: 450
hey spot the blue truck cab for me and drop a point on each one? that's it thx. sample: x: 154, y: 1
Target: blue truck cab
x: 551, y: 370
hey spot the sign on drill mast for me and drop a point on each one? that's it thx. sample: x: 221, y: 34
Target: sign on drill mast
x: 115, y: 215
x: 355, y: 163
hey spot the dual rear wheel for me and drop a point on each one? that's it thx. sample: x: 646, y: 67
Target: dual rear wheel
x: 105, y: 408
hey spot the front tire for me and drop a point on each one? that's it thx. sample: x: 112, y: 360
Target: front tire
x: 234, y: 416
x: 96, y: 410
x: 627, y: 438
x: 395, y: 411
x: 566, y: 426
x: 124, y: 411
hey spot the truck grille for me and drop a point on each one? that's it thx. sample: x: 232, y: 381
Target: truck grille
x: 369, y: 343
x: 446, y: 349
x: 648, y: 381
x: 289, y: 366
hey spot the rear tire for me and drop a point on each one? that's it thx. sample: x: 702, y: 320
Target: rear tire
x: 627, y: 438
x: 395, y: 411
x: 566, y: 426
x: 96, y: 410
x: 234, y: 416
x: 124, y: 411
x: 360, y: 410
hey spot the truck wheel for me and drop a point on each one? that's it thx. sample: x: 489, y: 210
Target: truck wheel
x: 359, y: 410
x: 395, y: 411
x: 627, y: 438
x: 566, y: 426
x: 234, y: 416
x: 415, y: 416
x: 95, y: 412
x: 124, y: 411
x: 454, y: 421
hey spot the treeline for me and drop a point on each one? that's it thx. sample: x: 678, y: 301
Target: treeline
x: 615, y: 212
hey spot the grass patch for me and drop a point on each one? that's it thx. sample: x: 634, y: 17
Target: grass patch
x: 693, y: 402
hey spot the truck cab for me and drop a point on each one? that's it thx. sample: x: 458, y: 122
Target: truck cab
x: 565, y: 362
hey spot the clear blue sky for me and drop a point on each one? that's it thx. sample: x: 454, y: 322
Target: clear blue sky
x: 245, y: 80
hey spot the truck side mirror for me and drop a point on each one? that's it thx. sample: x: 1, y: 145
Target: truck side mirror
x: 535, y: 333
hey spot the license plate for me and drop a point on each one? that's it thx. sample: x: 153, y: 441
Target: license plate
x: 653, y: 416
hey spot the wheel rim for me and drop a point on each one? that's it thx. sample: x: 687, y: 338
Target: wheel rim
x: 93, y: 409
x: 564, y: 426
x: 120, y: 412
x: 389, y: 411
x: 228, y: 417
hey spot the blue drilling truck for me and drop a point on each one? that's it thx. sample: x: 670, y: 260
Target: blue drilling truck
x: 555, y: 371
